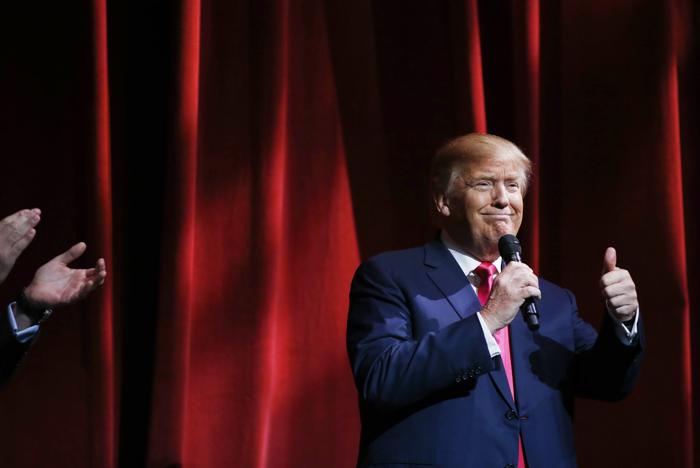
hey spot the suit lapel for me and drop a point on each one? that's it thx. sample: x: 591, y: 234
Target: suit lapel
x: 500, y: 381
x: 451, y: 281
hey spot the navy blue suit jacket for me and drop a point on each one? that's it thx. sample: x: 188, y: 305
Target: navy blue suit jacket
x: 429, y: 392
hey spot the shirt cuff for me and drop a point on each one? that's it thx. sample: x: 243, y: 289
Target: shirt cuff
x: 626, y: 335
x: 494, y: 350
x: 25, y: 335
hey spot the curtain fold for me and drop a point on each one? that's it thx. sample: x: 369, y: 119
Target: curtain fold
x: 470, y: 107
x: 270, y: 250
x: 527, y: 83
x: 103, y: 373
x: 170, y: 400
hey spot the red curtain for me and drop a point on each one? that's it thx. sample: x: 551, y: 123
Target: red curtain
x: 234, y: 161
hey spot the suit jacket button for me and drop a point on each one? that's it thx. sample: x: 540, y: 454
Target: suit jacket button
x: 458, y: 379
x: 510, y: 415
x: 509, y: 465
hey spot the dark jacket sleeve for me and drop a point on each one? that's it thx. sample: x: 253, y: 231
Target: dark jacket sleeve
x: 606, y: 368
x: 392, y: 367
x: 11, y: 350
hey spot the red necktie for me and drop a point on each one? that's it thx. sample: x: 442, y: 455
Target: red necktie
x: 486, y: 272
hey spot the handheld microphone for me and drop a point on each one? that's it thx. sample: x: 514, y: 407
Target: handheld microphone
x: 510, y: 250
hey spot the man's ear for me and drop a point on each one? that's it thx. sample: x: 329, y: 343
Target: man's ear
x: 442, y: 204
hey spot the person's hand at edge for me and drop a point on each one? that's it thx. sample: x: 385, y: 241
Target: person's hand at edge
x: 56, y: 284
x: 16, y: 232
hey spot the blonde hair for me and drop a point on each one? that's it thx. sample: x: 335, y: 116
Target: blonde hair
x: 471, y: 148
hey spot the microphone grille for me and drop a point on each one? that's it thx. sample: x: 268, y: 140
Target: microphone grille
x: 508, y: 245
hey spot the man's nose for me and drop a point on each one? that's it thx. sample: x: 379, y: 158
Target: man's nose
x: 500, y: 196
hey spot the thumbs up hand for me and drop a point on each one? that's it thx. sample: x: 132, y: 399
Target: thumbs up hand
x: 618, y: 289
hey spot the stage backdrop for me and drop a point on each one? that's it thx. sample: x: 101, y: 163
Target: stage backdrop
x: 234, y: 161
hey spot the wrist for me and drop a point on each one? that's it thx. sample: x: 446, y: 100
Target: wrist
x: 629, y: 321
x: 625, y: 319
x: 35, y: 310
x: 492, y: 324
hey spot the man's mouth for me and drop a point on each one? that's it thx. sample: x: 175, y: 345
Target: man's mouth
x: 497, y: 215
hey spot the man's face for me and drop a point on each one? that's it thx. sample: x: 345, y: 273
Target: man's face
x: 486, y: 202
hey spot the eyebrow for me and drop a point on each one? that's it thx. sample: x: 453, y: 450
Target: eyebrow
x: 491, y: 176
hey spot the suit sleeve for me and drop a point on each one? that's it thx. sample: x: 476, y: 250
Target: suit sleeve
x: 605, y: 368
x: 392, y: 367
x: 11, y: 350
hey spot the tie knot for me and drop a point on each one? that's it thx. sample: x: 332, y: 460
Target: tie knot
x: 485, y: 271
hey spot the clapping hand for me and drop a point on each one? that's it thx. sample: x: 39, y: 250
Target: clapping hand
x: 16, y: 232
x: 56, y: 284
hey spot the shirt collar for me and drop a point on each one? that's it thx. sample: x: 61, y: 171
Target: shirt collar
x: 466, y: 262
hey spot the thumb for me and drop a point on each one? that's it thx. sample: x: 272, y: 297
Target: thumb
x: 609, y: 260
x: 71, y: 254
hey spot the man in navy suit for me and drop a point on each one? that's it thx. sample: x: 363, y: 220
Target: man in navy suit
x: 447, y: 372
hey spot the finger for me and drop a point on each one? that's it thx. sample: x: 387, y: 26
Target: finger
x: 532, y: 291
x: 96, y: 275
x: 17, y: 224
x: 523, y: 277
x: 88, y: 286
x: 92, y: 284
x: 612, y: 288
x: 24, y: 241
x: 532, y: 279
x: 24, y: 219
x: 93, y: 273
x: 71, y: 254
x: 619, y: 274
x: 609, y: 260
x: 625, y: 312
x: 32, y: 217
x: 517, y: 266
x: 622, y: 301
x: 10, y: 219
x: 515, y: 272
x: 614, y: 277
x: 617, y: 290
x: 99, y: 279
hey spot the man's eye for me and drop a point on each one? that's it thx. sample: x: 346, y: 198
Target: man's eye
x: 513, y: 187
x: 483, y: 185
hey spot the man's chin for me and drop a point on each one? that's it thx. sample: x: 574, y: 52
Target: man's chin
x: 500, y: 229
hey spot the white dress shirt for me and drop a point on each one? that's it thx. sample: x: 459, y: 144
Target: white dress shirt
x: 25, y: 335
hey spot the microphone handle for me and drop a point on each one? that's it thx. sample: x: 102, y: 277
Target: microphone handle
x: 532, y: 317
x: 529, y: 309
